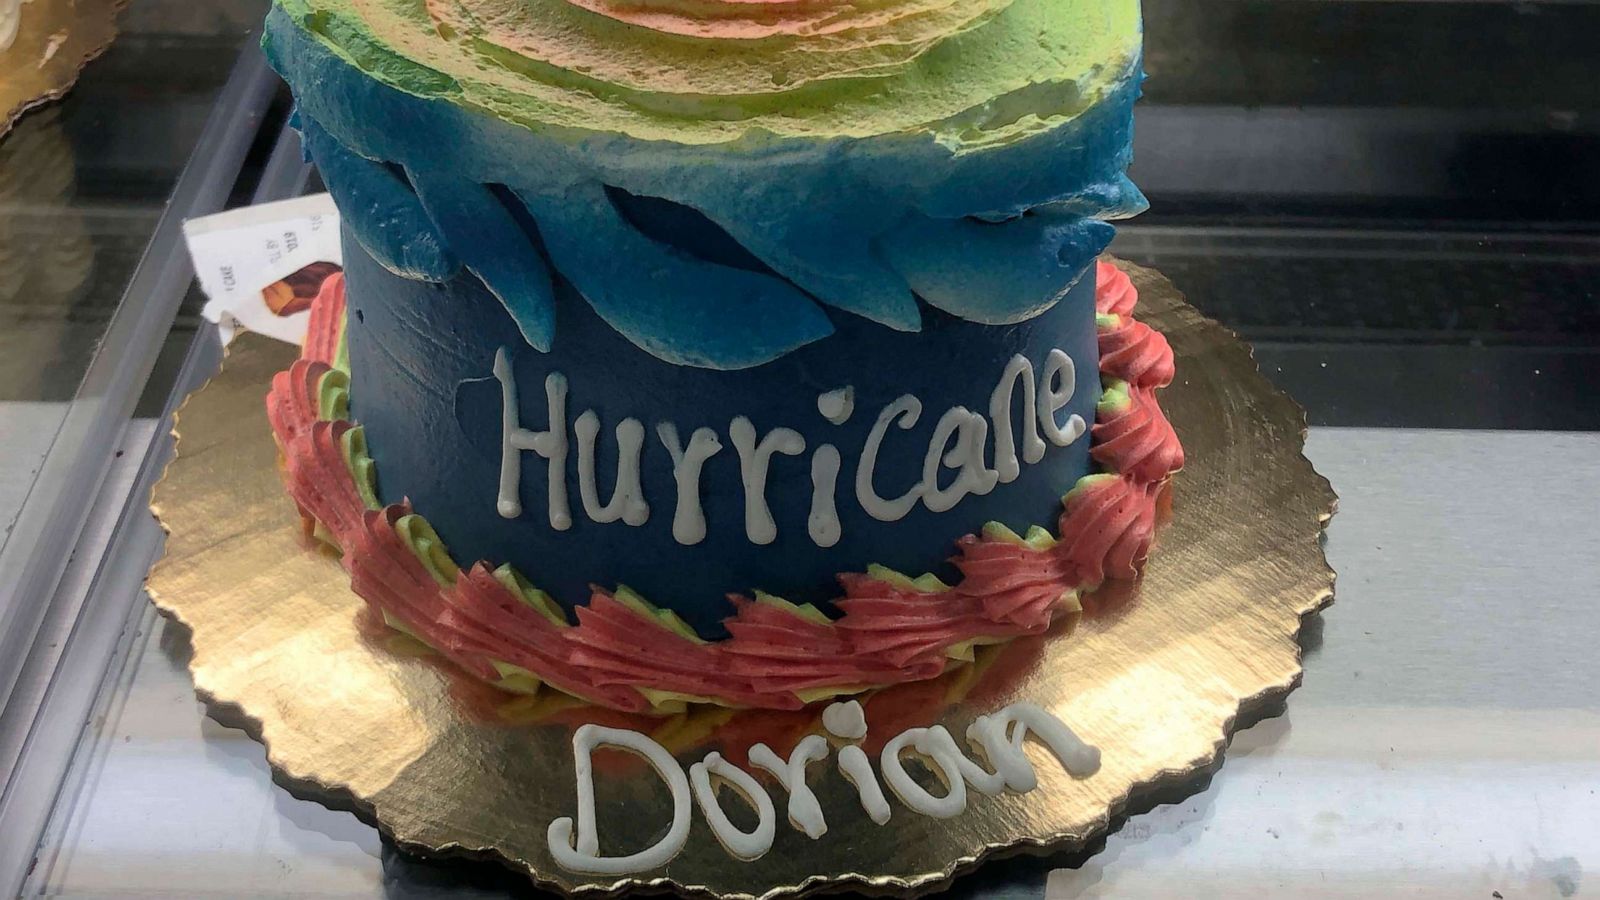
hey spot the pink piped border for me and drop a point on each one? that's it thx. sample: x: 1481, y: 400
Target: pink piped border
x: 620, y: 656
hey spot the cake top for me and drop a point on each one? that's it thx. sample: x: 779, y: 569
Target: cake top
x: 10, y: 22
x: 968, y: 73
x: 869, y: 156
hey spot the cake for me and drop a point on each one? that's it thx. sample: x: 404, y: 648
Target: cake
x: 10, y: 22
x: 750, y: 352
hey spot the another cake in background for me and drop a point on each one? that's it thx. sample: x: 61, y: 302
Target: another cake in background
x: 10, y: 21
x: 754, y: 308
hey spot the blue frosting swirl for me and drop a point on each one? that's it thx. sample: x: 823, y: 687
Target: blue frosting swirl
x: 867, y: 226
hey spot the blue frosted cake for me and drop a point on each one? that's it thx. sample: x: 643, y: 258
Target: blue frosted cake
x: 678, y: 340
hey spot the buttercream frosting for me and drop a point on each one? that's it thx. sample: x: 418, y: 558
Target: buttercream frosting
x: 627, y: 654
x: 969, y: 72
x: 869, y: 157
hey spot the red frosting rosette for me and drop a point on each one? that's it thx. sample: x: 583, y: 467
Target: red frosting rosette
x: 624, y: 654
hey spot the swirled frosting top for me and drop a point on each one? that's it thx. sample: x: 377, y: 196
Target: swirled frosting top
x: 968, y: 73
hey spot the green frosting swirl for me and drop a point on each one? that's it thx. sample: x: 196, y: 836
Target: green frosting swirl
x: 970, y: 73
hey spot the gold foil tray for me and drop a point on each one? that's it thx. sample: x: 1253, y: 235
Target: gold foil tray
x: 1155, y: 675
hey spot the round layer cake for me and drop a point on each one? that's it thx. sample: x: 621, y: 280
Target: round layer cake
x: 719, y: 299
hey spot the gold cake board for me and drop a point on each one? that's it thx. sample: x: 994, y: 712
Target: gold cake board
x: 445, y: 766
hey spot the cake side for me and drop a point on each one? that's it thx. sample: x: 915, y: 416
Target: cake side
x: 710, y: 297
x: 689, y: 484
x: 626, y: 653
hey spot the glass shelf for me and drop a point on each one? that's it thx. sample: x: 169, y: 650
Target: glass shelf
x: 96, y: 188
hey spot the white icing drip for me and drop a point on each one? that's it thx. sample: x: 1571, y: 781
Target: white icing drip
x: 744, y: 845
x: 943, y: 754
x: 755, y: 461
x: 584, y: 857
x: 847, y: 720
x: 906, y: 410
x: 1018, y: 371
x: 1004, y: 750
x: 970, y: 432
x: 805, y: 813
x: 837, y: 406
x: 1056, y: 387
x: 823, y: 523
x: 550, y: 444
x: 627, y: 495
x: 857, y: 770
x: 689, y: 519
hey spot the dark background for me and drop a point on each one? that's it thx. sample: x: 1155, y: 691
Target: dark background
x: 1397, y: 202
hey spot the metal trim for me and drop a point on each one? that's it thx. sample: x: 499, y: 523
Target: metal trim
x: 42, y: 727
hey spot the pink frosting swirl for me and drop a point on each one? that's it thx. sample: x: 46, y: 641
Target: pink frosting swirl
x: 617, y: 656
x: 1134, y: 352
x: 1108, y: 528
x: 1116, y: 295
x: 292, y: 406
x: 326, y: 321
x: 1134, y: 438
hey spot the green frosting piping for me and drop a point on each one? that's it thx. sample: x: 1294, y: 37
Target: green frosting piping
x: 1115, y: 397
x: 403, y: 628
x: 341, y: 353
x: 665, y: 617
x: 1038, y: 538
x: 333, y: 395
x: 419, y: 537
x: 363, y: 470
x: 1085, y: 484
x: 927, y: 584
x: 523, y: 590
x: 805, y: 611
x: 515, y: 679
x: 424, y: 543
x: 973, y: 74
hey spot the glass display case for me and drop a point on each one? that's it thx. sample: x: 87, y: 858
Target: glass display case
x: 1397, y: 204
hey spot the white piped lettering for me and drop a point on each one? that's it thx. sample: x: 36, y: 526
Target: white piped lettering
x: 583, y: 855
x: 1056, y: 387
x: 1018, y: 371
x: 627, y: 494
x: 689, y: 519
x: 755, y: 463
x: 746, y: 845
x: 970, y: 432
x: 999, y: 738
x: 805, y: 813
x: 550, y: 444
x: 959, y: 441
x: 903, y: 412
x: 823, y: 522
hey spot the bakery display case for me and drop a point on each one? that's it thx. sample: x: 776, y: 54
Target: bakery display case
x: 1396, y: 204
